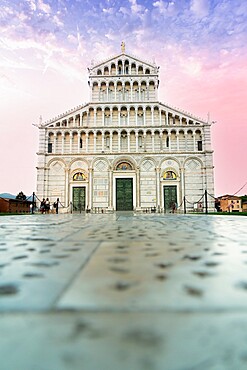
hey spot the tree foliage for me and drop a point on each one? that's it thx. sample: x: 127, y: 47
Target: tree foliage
x: 21, y: 196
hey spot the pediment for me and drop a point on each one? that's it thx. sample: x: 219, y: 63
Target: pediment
x: 124, y: 58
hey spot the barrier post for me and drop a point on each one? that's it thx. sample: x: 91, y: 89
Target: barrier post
x: 33, y: 203
x: 184, y: 206
x: 206, y: 201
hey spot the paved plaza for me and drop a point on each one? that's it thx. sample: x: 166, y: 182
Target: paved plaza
x: 123, y: 291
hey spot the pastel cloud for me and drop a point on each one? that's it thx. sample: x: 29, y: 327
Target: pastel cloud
x: 200, y: 7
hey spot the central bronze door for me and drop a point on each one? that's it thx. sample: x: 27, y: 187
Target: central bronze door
x: 124, y: 194
x: 79, y: 198
x: 170, y: 197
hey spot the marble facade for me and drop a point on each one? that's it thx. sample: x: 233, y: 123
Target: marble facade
x: 125, y: 133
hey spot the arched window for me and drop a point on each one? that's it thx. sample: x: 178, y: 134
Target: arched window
x: 79, y: 176
x: 124, y: 166
x: 170, y: 175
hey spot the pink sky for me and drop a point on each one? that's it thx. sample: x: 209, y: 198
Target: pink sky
x: 46, y: 47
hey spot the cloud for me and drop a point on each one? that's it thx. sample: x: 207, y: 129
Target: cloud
x: 136, y: 8
x: 43, y: 7
x: 57, y: 21
x: 160, y: 5
x: 32, y: 4
x: 109, y: 10
x: 200, y: 8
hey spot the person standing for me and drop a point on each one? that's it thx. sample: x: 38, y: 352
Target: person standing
x: 47, y: 205
x: 56, y: 205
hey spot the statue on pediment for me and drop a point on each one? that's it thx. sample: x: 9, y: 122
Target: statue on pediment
x: 123, y: 47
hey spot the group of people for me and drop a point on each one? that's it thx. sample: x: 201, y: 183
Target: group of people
x: 45, y: 205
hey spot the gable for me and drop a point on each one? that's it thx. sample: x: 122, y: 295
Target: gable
x: 124, y: 60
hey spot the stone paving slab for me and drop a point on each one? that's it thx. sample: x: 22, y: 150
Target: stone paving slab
x: 123, y: 291
x: 121, y: 341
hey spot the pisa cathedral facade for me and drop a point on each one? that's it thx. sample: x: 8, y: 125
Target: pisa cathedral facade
x: 125, y: 150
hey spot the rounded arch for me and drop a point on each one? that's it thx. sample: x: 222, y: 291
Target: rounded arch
x: 106, y: 70
x: 100, y: 159
x: 126, y: 159
x: 80, y: 159
x: 81, y: 132
x: 51, y: 133
x: 193, y: 158
x: 55, y: 160
x: 78, y: 175
x: 170, y: 173
x: 150, y: 159
x: 100, y: 164
x: 171, y: 159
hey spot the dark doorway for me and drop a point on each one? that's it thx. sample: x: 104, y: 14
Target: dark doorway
x: 124, y: 194
x: 79, y: 199
x: 170, y: 197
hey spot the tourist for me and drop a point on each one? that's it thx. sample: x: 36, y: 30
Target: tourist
x: 42, y: 206
x: 47, y: 205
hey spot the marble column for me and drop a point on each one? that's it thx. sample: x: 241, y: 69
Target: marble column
x: 103, y: 141
x: 94, y: 116
x: 157, y: 169
x: 152, y: 136
x: 169, y: 142
x: 110, y: 142
x: 167, y: 121
x: 70, y: 142
x: 90, y: 189
x: 177, y: 137
x: 111, y: 116
x: 54, y: 145
x: 86, y: 142
x: 66, y: 189
x: 145, y: 142
x: 137, y: 143
x: 161, y: 142
x: 94, y: 141
x: 107, y: 91
x: 110, y: 177
x: 138, y: 195
x: 182, y: 175
x: 119, y: 142
x: 63, y: 142
x: 78, y: 142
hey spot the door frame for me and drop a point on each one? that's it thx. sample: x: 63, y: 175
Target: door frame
x: 125, y: 175
x: 162, y: 193
x: 79, y: 185
x: 130, y: 179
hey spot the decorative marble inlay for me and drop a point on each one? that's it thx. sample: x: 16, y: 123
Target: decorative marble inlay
x: 100, y: 166
x: 148, y: 165
x: 192, y: 165
x: 57, y: 167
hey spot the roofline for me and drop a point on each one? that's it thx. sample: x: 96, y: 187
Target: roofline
x: 153, y: 65
x: 82, y: 106
x: 62, y: 115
